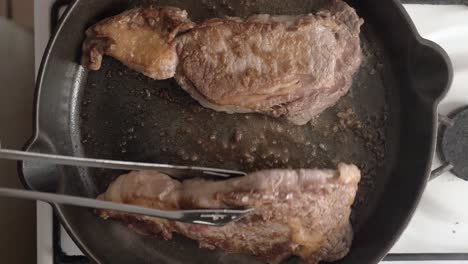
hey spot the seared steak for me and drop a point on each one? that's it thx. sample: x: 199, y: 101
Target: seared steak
x: 142, y: 39
x: 301, y: 212
x: 284, y: 66
x: 292, y: 66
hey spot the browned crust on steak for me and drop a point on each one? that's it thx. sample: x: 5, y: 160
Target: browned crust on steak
x: 293, y: 67
x: 298, y: 212
x: 285, y: 66
x: 141, y: 38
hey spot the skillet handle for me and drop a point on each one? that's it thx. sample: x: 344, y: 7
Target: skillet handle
x: 430, y: 71
x: 35, y: 175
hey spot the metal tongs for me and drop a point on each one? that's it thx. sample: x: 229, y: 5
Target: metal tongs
x: 213, y: 217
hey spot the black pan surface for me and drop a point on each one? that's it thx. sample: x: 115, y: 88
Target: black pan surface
x: 385, y: 125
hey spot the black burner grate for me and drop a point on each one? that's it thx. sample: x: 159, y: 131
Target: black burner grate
x: 453, y: 143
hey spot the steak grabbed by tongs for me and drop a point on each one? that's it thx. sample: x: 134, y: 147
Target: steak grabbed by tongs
x: 285, y: 66
x: 296, y: 212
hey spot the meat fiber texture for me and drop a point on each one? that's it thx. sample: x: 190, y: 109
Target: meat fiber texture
x: 284, y: 66
x: 301, y: 212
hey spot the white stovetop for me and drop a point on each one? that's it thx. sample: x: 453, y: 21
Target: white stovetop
x: 440, y: 224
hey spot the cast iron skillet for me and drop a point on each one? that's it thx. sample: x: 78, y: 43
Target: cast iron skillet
x: 386, y: 125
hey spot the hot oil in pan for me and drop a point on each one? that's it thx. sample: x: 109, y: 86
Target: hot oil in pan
x: 128, y: 116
